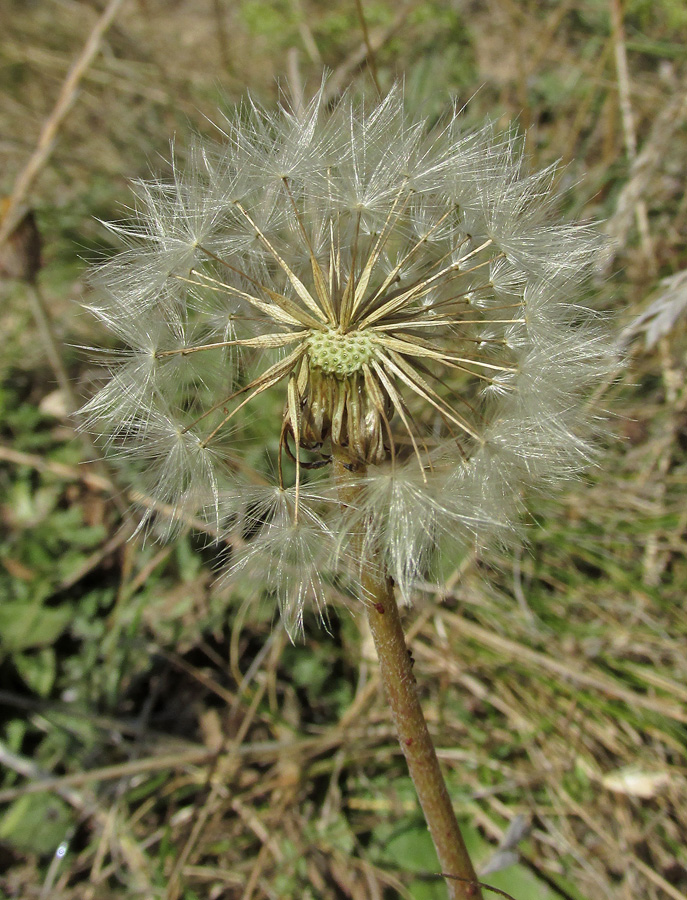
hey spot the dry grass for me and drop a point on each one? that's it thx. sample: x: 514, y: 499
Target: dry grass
x: 192, y: 750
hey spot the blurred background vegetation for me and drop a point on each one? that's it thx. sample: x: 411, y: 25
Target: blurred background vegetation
x: 191, y: 751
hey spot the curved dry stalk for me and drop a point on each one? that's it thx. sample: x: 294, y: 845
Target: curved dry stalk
x: 395, y: 666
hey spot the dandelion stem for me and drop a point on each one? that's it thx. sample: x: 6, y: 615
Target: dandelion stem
x: 395, y: 665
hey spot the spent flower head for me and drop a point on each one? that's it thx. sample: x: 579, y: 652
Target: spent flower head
x: 408, y: 296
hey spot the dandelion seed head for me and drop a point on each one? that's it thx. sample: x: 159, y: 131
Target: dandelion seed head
x: 404, y: 294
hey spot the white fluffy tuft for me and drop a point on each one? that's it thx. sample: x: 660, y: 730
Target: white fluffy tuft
x: 484, y: 368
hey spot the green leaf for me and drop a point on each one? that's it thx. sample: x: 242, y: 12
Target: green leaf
x: 309, y: 670
x: 37, y: 670
x: 23, y: 626
x: 520, y: 883
x: 36, y: 823
x: 15, y: 731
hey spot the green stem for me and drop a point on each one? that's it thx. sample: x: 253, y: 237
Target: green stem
x: 395, y: 666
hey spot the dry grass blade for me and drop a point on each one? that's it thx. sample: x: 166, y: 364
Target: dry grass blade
x: 371, y: 59
x: 343, y: 72
x: 65, y: 100
x: 595, y: 680
x: 629, y: 129
x: 87, y: 804
x: 645, y: 165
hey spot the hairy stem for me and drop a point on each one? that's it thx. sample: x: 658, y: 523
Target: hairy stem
x: 395, y: 665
